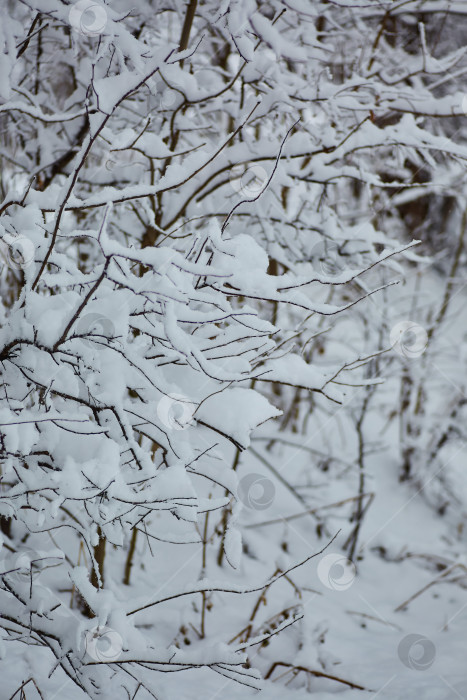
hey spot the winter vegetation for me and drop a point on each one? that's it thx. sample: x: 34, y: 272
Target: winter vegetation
x: 233, y: 349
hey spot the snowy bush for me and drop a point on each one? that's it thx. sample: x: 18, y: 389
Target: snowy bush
x: 202, y: 221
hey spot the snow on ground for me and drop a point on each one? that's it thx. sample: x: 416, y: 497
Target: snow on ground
x: 394, y: 625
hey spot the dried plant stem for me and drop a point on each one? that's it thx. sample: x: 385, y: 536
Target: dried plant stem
x: 130, y: 555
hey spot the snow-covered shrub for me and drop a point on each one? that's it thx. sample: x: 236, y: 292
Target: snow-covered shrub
x: 190, y: 194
